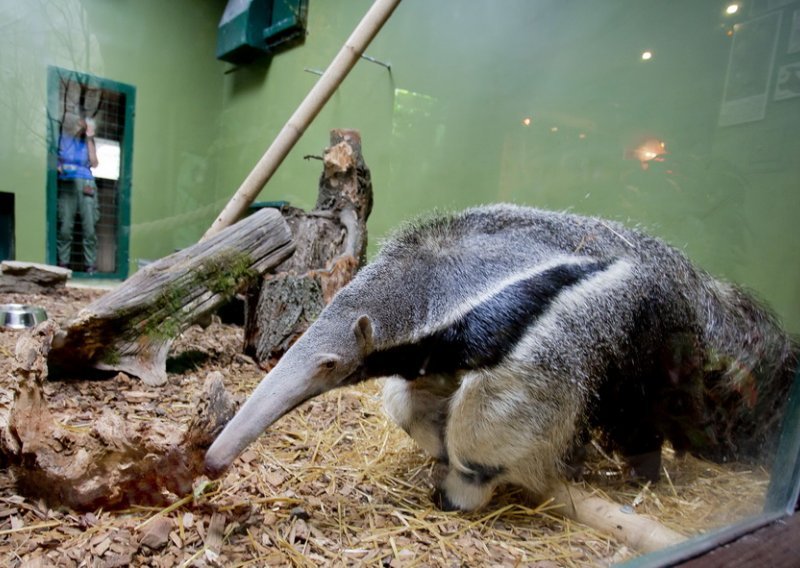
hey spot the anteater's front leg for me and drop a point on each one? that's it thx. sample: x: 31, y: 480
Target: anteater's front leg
x: 420, y: 407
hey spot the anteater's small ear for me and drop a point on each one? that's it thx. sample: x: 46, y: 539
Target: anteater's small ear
x: 363, y: 331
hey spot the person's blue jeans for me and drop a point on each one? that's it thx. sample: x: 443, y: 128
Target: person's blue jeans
x: 77, y: 196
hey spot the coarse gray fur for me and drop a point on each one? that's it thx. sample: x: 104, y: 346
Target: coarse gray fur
x: 627, y: 337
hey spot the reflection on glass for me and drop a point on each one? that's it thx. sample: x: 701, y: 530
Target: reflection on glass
x: 750, y: 70
x: 647, y: 150
x: 94, y: 117
x: 108, y: 156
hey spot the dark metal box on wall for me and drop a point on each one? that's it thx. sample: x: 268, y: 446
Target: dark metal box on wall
x: 253, y: 28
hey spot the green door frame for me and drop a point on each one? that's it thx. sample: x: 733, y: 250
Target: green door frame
x: 54, y: 78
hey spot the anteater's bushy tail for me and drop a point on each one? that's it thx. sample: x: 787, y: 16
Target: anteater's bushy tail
x: 749, y: 367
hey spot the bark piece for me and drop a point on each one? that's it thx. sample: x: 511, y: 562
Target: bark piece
x: 331, y: 243
x: 214, y: 538
x: 156, y: 535
x: 31, y: 278
x: 131, y: 328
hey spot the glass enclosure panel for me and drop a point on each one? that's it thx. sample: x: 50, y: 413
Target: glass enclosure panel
x: 675, y: 118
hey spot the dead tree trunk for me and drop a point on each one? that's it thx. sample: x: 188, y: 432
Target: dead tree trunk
x: 131, y: 328
x: 331, y: 243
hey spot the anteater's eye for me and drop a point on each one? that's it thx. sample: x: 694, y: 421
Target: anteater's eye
x: 327, y: 362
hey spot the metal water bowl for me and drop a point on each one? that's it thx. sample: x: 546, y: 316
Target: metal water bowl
x: 21, y: 316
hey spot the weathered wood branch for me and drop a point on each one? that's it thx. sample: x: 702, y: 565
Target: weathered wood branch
x: 131, y: 328
x: 331, y: 244
x: 112, y: 463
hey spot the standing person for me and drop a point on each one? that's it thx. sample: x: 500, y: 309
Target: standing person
x: 77, y: 190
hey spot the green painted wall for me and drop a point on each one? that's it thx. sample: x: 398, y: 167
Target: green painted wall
x: 445, y: 128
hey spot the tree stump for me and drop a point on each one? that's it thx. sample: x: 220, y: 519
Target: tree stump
x: 331, y: 243
x: 131, y: 328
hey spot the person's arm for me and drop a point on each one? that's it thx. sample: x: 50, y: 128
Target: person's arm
x: 90, y: 146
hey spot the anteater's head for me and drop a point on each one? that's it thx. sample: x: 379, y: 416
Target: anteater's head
x: 330, y: 354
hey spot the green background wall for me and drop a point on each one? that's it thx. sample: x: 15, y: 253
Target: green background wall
x: 443, y: 129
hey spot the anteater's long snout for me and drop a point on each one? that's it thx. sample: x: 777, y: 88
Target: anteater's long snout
x: 278, y: 393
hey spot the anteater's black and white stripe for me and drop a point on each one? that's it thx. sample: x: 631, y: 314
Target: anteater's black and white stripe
x: 506, y: 333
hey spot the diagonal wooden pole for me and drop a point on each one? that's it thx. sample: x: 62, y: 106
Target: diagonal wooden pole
x: 327, y: 84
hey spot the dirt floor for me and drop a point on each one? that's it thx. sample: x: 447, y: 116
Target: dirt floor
x: 334, y: 483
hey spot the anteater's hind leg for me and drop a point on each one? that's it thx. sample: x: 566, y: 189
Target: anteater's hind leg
x: 420, y: 407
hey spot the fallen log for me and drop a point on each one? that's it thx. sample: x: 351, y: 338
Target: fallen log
x: 331, y: 244
x: 131, y: 328
x: 111, y: 463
